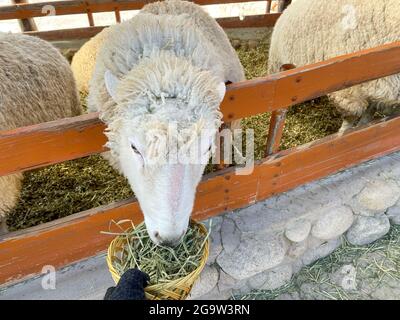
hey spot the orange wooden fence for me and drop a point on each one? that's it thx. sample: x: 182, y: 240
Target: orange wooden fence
x: 78, y: 236
x: 268, y: 20
x: 25, y: 10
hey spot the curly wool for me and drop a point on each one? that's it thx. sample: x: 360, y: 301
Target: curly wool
x: 36, y: 85
x: 313, y: 31
x: 160, y: 58
x: 164, y: 89
x: 84, y: 60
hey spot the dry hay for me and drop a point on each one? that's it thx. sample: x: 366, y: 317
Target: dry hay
x: 63, y: 189
x: 161, y: 263
x: 66, y: 188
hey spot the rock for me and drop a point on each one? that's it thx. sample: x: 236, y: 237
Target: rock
x: 255, y: 253
x: 216, y: 294
x: 230, y: 235
x: 298, y: 230
x: 215, y: 223
x: 205, y: 283
x: 297, y: 249
x: 215, y: 246
x: 333, y: 223
x: 271, y: 279
x: 289, y: 296
x: 368, y: 229
x: 253, y: 44
x: 386, y: 292
x: 369, y: 285
x: 393, y: 214
x: 379, y: 195
x: 244, y: 289
x: 313, y: 243
x: 320, y: 251
x: 261, y: 218
x: 297, y: 265
x: 345, y: 277
x: 226, y: 282
x: 309, y: 291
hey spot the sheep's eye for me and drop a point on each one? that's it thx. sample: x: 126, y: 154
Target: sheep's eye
x: 135, y: 150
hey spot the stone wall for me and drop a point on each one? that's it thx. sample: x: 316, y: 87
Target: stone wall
x: 262, y: 246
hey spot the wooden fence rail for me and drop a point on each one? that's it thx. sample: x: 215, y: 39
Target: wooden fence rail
x: 48, y: 143
x: 25, y: 12
x: 67, y: 240
x: 88, y: 32
x: 26, y: 24
x: 32, y: 10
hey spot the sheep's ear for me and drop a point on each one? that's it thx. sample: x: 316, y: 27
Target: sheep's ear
x: 111, y: 82
x: 221, y: 89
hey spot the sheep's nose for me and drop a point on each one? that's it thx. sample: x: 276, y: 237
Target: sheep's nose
x: 169, y: 241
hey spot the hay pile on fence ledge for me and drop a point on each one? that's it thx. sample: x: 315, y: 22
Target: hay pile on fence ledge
x: 63, y: 189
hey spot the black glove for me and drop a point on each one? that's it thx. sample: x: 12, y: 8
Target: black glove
x: 130, y: 286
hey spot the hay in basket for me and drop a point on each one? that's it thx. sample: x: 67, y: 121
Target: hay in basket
x: 172, y: 271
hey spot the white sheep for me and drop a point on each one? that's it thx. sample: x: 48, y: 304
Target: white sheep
x: 36, y: 85
x: 313, y: 31
x: 158, y: 82
x: 83, y: 61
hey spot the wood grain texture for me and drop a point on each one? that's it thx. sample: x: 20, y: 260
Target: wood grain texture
x: 79, y: 236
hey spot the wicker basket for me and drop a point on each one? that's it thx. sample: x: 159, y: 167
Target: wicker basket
x: 177, y: 289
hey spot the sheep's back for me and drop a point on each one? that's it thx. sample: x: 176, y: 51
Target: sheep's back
x: 126, y: 44
x: 36, y: 83
x: 313, y: 31
x: 84, y: 60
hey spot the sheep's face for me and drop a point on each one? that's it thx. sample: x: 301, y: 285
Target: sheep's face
x: 163, y: 180
x: 163, y: 155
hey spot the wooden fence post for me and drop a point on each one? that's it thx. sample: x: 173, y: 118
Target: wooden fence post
x: 269, y: 4
x: 25, y: 24
x: 277, y: 124
x: 283, y: 4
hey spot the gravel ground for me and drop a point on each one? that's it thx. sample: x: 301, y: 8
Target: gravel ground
x: 349, y: 273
